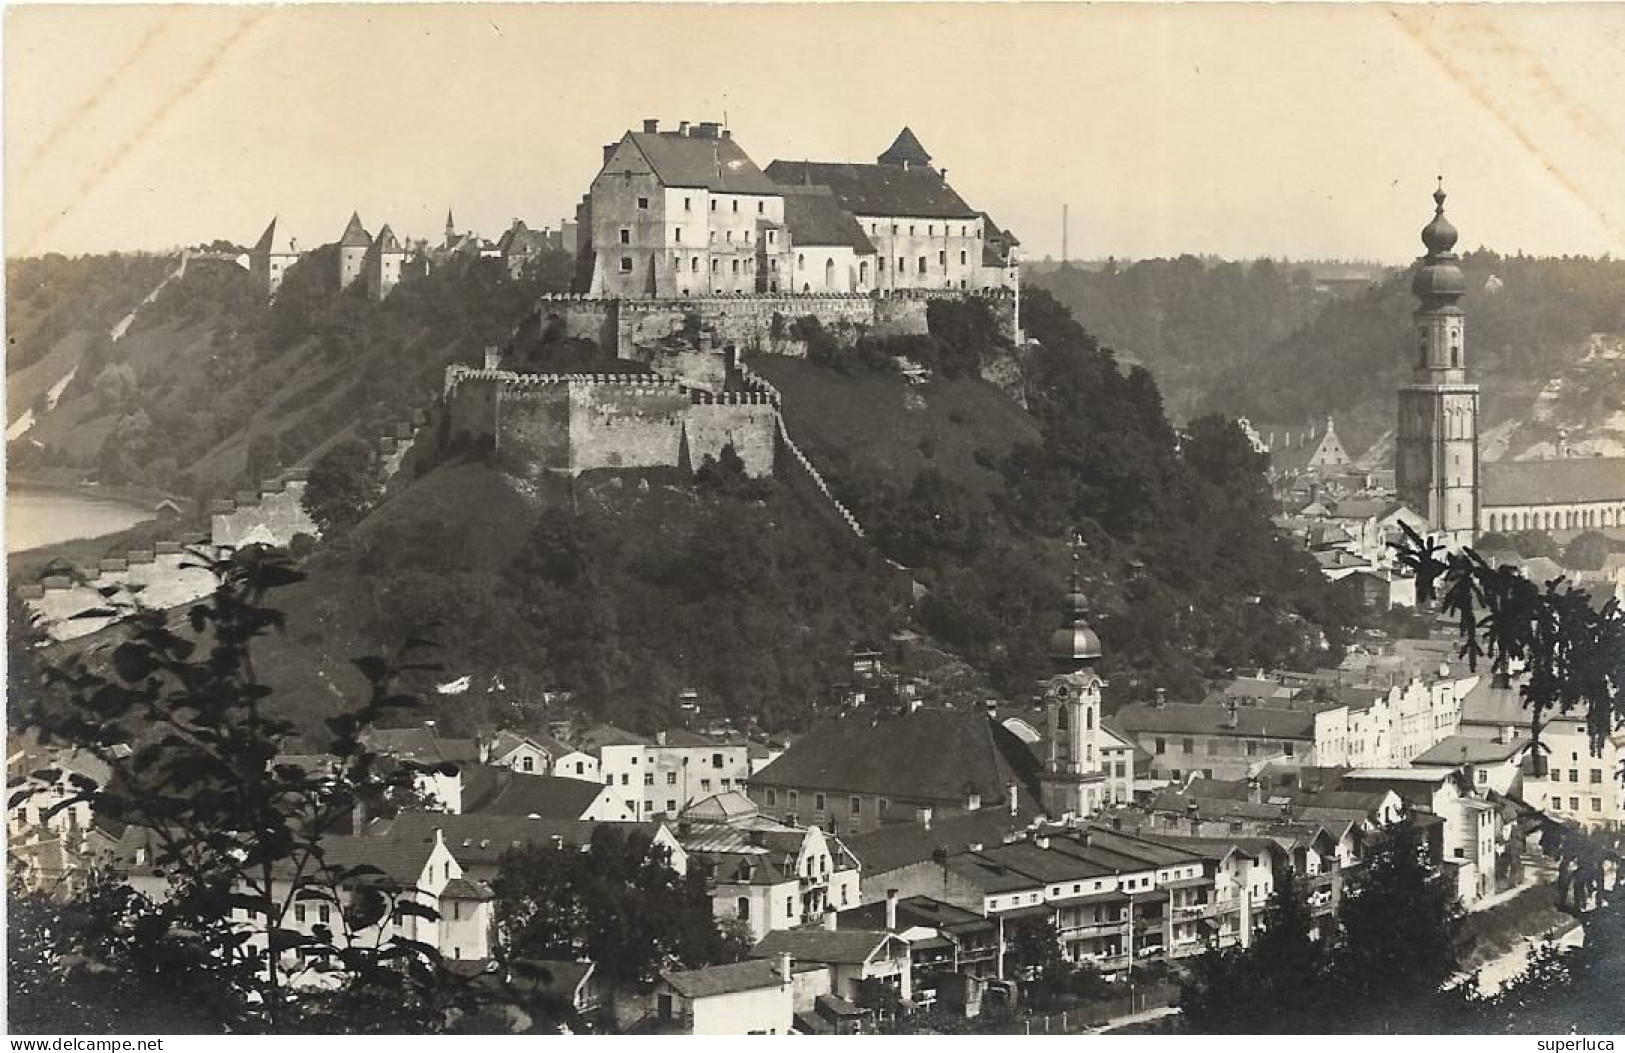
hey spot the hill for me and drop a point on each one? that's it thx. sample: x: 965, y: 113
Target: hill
x: 211, y: 388
x: 1524, y: 329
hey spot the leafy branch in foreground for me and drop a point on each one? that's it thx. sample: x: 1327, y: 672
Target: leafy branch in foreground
x: 223, y: 839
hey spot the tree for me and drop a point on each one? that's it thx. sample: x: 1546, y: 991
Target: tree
x: 343, y: 486
x: 1526, y: 543
x: 1587, y: 551
x: 618, y: 904
x: 1275, y: 986
x: 184, y: 725
x: 1401, y: 935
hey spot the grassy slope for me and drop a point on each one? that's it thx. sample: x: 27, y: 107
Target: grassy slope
x: 882, y: 421
x: 478, y: 520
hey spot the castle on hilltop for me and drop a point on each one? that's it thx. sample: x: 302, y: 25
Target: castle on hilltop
x: 686, y: 212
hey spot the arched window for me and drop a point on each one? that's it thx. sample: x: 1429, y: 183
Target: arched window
x: 801, y: 263
x: 742, y: 908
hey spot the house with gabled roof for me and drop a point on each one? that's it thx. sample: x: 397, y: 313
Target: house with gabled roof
x: 854, y: 959
x: 855, y: 774
x: 480, y: 841
x: 549, y: 797
x: 772, y: 876
x: 829, y: 250
x: 752, y: 997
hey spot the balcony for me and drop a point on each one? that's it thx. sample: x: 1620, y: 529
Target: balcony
x: 811, y: 881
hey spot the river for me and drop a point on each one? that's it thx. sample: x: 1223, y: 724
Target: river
x: 38, y: 516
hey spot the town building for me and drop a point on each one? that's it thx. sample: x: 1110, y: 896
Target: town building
x: 858, y: 772
x: 665, y: 774
x: 771, y: 876
x: 1560, y: 496
x: 854, y: 959
x: 480, y: 841
x: 751, y: 997
x: 1073, y: 782
x: 547, y: 797
x: 1436, y: 466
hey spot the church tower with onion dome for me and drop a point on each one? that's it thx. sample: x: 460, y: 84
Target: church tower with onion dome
x: 1436, y: 455
x: 1073, y: 779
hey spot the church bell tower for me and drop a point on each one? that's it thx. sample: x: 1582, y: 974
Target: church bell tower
x: 1436, y: 455
x: 1073, y: 779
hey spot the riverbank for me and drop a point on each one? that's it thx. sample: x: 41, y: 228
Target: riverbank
x: 65, y: 481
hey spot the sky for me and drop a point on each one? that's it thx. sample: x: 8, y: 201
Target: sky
x: 1296, y: 130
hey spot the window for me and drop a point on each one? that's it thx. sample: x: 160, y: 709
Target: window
x: 772, y: 796
x: 911, y: 230
x: 801, y: 263
x: 880, y: 265
x: 942, y: 258
x: 705, y: 785
x: 626, y: 236
x: 694, y: 265
x: 1596, y: 776
x: 609, y: 780
x: 857, y: 806
x: 665, y: 1007
x: 678, y: 235
x: 761, y: 207
x: 688, y: 205
x: 623, y: 778
x: 677, y: 263
x: 894, y: 228
x: 324, y: 913
x: 789, y: 906
x: 648, y: 806
x: 527, y: 764
x: 713, y: 204
x: 714, y: 264
x: 734, y: 266
x: 922, y: 264
x: 1574, y: 775
x: 626, y: 265
x: 1252, y: 749
x: 728, y: 236
x: 1289, y: 748
x: 671, y: 778
x: 883, y: 806
x: 932, y: 230
x: 962, y: 230
x: 742, y: 908
x: 727, y: 784
x: 1212, y: 747
x: 902, y: 265
x: 648, y: 778
x: 716, y: 760
x: 671, y: 806
x: 818, y: 802
x: 1188, y: 746
x: 791, y: 800
x: 963, y: 257
x: 643, y: 203
x: 1481, y: 776
x: 1161, y: 747
x: 1596, y: 804
x: 299, y: 913
x: 1574, y: 804
x: 770, y: 237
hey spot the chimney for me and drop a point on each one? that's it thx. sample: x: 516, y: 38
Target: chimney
x: 1162, y: 697
x: 293, y: 244
x: 682, y: 127
x: 651, y: 125
x: 493, y: 357
x: 973, y: 801
x: 784, y: 968
x: 1193, y: 812
x: 1231, y: 718
x: 660, y: 738
x: 1015, y: 798
x: 609, y: 150
x: 727, y: 134
x: 891, y: 910
x: 925, y: 816
x: 829, y: 919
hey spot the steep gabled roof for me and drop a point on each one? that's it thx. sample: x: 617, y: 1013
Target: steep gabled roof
x: 262, y: 247
x: 719, y: 165
x: 545, y: 797
x: 815, y: 218
x: 897, y: 845
x: 1567, y: 480
x: 905, y: 149
x: 422, y: 745
x: 878, y: 190
x: 939, y: 755
x: 386, y: 241
x: 355, y: 235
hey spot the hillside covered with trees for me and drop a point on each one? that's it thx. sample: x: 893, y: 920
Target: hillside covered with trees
x: 213, y: 388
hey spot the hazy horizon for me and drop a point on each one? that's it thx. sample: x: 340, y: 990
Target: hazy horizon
x: 1303, y: 131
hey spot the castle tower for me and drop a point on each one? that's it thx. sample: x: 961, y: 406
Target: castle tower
x: 268, y: 262
x: 1073, y: 778
x: 451, y: 230
x: 1436, y: 466
x: 384, y: 262
x: 353, y: 249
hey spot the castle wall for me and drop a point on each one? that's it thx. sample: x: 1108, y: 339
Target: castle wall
x: 626, y: 426
x: 531, y: 424
x: 274, y: 518
x: 752, y: 428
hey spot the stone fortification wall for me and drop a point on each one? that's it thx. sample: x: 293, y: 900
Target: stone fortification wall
x: 161, y: 574
x: 172, y: 574
x: 747, y: 420
x: 746, y: 320
x: 273, y: 516
x: 576, y: 422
